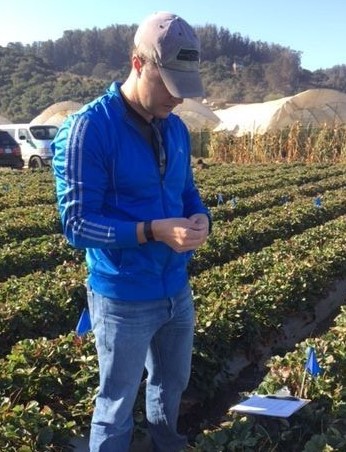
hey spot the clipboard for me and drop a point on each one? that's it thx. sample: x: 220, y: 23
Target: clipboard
x: 270, y: 405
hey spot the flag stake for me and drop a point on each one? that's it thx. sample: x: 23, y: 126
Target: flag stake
x: 302, y: 385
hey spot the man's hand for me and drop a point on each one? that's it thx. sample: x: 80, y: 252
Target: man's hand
x: 200, y: 218
x: 182, y: 234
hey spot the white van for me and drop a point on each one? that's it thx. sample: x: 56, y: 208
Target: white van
x: 34, y: 140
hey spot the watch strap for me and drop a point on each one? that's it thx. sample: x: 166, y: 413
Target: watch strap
x: 148, y: 232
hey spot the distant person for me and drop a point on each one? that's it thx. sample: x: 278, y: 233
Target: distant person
x: 126, y: 194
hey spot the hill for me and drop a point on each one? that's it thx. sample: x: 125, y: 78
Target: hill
x: 81, y: 64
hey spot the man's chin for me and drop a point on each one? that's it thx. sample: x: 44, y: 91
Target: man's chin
x: 163, y: 114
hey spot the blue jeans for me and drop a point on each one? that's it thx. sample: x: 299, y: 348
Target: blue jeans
x: 130, y: 336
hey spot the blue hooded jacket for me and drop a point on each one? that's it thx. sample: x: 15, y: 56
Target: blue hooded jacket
x: 107, y: 180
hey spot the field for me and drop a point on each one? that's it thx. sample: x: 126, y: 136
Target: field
x: 268, y: 283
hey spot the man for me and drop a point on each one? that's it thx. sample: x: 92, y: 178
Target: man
x: 126, y: 194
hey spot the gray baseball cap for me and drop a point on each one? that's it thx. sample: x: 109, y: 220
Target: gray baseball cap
x: 173, y: 45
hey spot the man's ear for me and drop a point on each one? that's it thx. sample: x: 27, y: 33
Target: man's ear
x: 137, y: 63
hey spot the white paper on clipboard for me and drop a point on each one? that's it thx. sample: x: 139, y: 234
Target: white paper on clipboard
x: 270, y: 405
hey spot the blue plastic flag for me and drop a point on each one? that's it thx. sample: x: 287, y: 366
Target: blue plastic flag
x: 84, y: 323
x: 234, y: 202
x: 312, y: 365
x: 219, y: 199
x: 284, y: 199
x: 318, y: 202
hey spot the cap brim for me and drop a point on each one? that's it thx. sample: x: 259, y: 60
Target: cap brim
x: 182, y: 84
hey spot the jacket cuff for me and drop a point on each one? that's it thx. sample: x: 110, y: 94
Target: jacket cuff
x: 126, y: 235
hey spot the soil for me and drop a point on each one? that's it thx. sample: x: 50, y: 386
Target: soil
x: 213, y: 413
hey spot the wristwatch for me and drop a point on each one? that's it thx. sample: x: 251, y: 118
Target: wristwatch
x: 148, y: 232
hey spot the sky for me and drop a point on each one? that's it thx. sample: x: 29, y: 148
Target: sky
x: 314, y: 28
